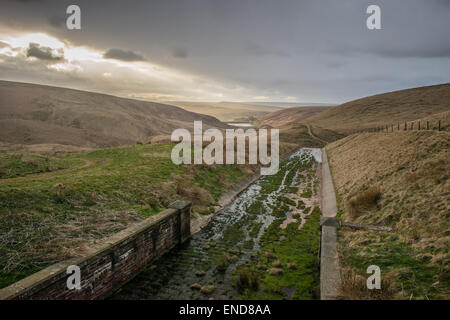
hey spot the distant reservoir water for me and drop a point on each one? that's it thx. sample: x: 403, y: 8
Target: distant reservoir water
x: 240, y: 124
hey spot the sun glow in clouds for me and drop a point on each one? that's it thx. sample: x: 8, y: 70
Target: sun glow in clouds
x: 40, y: 38
x: 85, y: 68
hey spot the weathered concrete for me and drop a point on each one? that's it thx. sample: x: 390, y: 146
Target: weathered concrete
x: 330, y: 222
x: 330, y: 276
x: 329, y: 207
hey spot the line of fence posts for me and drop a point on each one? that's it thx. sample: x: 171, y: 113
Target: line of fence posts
x: 411, y: 127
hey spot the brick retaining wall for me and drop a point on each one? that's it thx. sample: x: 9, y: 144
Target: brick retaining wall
x: 117, y: 260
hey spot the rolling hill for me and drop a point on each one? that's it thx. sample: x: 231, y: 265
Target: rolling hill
x: 385, y: 109
x: 38, y: 114
x: 399, y: 180
x: 227, y: 111
x: 285, y: 116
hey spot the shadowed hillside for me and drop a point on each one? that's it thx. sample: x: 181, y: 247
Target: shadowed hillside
x: 384, y: 109
x: 37, y: 114
x: 297, y: 114
x: 227, y: 111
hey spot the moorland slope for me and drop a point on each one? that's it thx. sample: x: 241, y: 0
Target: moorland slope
x: 385, y: 109
x: 38, y: 114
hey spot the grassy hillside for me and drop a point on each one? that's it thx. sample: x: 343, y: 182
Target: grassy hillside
x: 283, y: 117
x: 53, y: 208
x: 227, y: 111
x: 385, y: 109
x: 399, y: 180
x: 37, y: 114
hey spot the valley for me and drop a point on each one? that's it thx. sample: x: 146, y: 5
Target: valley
x: 77, y: 167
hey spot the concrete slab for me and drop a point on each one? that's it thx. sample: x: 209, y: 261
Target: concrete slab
x: 330, y: 276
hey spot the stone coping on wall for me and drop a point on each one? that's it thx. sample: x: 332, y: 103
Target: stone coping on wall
x: 44, y: 278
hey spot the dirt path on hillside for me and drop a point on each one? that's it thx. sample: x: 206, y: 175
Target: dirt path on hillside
x: 313, y: 136
x: 88, y: 164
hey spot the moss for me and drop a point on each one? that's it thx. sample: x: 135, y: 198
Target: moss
x: 300, y: 248
x: 307, y: 193
x: 287, y: 201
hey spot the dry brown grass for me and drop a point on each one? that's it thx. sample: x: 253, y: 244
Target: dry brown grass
x: 192, y: 193
x: 433, y: 121
x: 38, y: 114
x: 280, y: 118
x: 48, y: 241
x: 226, y: 111
x: 363, y: 201
x: 354, y: 287
x: 412, y: 170
x: 385, y: 109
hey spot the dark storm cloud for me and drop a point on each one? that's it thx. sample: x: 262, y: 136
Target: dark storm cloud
x: 432, y: 52
x: 123, y: 55
x: 255, y: 49
x: 57, y: 21
x: 44, y: 53
x: 180, y: 52
x: 313, y: 50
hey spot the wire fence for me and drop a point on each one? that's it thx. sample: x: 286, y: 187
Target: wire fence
x: 437, y: 125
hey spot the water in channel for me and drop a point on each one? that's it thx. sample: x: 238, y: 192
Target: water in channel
x: 233, y: 232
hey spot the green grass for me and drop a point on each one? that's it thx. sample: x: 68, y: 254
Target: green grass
x: 14, y: 165
x: 290, y: 246
x: 413, y: 276
x: 299, y: 247
x: 44, y: 215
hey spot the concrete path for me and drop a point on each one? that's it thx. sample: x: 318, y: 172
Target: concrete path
x: 329, y: 207
x: 330, y: 276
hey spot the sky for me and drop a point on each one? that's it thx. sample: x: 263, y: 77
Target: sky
x: 235, y: 50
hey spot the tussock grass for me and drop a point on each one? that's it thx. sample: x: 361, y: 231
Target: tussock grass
x: 354, y: 287
x: 14, y: 165
x: 363, y: 201
x: 46, y: 218
x: 412, y: 170
x: 246, y: 279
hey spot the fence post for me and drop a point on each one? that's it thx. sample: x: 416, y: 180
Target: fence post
x: 428, y: 125
x: 419, y: 124
x: 392, y: 127
x: 398, y: 126
x: 412, y: 125
x: 439, y: 126
x: 405, y: 126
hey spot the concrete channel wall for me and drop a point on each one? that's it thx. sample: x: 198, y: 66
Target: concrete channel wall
x: 117, y: 260
x: 330, y: 276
